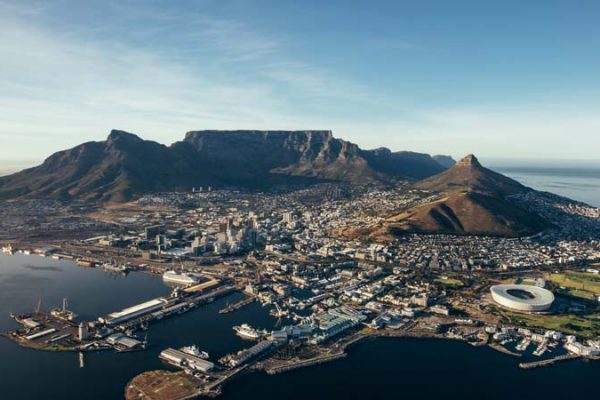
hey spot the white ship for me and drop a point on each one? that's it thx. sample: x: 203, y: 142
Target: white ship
x: 112, y: 267
x: 247, y: 332
x: 193, y: 350
x: 181, y: 278
x: 7, y: 249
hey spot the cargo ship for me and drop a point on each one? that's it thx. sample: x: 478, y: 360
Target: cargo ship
x: 182, y: 278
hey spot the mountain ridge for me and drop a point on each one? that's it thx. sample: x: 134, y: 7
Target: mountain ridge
x: 125, y: 166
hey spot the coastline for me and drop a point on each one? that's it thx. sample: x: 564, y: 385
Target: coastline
x: 344, y: 351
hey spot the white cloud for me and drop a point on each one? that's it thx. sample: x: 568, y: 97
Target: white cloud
x: 62, y: 85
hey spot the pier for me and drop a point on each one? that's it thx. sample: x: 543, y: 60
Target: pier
x: 177, y: 307
x: 550, y: 361
x: 305, y: 363
x: 236, y: 306
x: 504, y: 350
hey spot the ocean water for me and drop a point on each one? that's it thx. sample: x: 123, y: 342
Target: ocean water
x: 424, y: 369
x: 576, y: 181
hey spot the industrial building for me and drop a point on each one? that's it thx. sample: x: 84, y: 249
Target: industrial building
x: 180, y: 359
x: 133, y: 312
x: 523, y: 298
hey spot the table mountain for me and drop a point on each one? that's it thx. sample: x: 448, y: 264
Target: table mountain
x: 125, y: 166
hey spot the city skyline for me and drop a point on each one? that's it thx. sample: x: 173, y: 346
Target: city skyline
x: 506, y: 81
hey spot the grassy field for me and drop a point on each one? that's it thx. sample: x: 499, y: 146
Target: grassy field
x: 450, y: 282
x: 580, y: 284
x: 586, y: 326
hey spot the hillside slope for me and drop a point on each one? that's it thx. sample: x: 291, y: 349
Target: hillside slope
x: 125, y: 166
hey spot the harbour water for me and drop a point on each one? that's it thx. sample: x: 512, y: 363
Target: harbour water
x: 377, y: 369
x: 29, y: 374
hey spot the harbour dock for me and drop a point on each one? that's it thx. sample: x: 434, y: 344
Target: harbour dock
x: 305, y: 363
x: 550, y: 361
x: 53, y: 332
x: 504, y: 350
x: 236, y: 306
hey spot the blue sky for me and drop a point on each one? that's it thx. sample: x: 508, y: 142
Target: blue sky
x: 509, y: 79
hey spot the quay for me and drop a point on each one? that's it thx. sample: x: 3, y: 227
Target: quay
x: 504, y: 350
x: 176, y: 306
x: 236, y: 306
x: 305, y: 363
x: 50, y: 332
x: 550, y: 361
x: 338, y: 353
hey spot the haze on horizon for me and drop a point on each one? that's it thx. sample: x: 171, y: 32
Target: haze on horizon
x: 506, y: 80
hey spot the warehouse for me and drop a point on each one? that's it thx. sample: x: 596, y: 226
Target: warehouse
x: 133, y: 312
x: 180, y: 359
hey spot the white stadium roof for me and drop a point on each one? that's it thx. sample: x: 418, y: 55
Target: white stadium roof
x: 522, y: 297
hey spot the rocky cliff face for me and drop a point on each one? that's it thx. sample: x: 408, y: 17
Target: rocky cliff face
x: 124, y: 165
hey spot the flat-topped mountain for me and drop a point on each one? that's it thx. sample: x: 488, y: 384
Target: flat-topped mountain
x: 444, y: 160
x: 471, y: 200
x: 125, y: 166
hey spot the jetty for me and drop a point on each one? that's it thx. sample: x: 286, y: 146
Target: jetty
x: 550, y: 361
x: 236, y: 306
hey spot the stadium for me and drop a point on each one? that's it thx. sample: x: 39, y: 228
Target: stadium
x: 523, y: 298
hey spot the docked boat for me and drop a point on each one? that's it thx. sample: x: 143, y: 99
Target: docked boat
x: 111, y: 267
x: 181, y: 278
x: 63, y: 312
x: 8, y: 249
x: 193, y: 350
x: 247, y: 332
